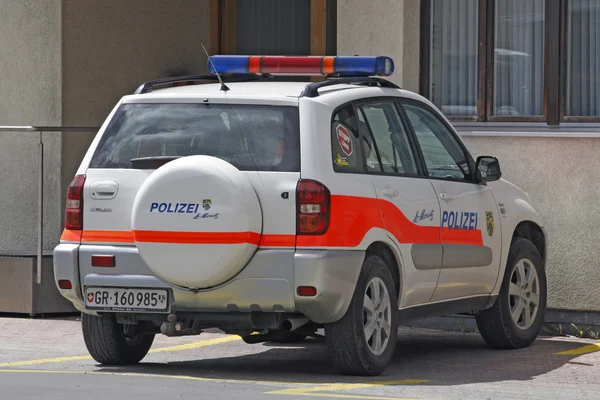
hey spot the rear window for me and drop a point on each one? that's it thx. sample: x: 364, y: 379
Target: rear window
x: 251, y: 137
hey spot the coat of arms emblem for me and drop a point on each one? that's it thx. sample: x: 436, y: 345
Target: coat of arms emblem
x: 489, y: 218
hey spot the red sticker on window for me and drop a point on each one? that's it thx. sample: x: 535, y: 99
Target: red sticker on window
x: 344, y: 139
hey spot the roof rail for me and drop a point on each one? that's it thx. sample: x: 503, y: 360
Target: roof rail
x: 312, y: 89
x: 148, y: 86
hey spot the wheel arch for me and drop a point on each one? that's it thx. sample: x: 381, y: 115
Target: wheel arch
x: 534, y: 233
x: 385, y: 251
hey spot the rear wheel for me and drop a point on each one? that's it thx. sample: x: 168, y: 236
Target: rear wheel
x: 364, y: 340
x: 515, y: 319
x: 111, y: 343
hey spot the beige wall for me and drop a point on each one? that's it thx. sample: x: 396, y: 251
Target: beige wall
x: 30, y: 87
x: 559, y: 175
x: 110, y: 47
x: 372, y: 28
x: 383, y: 27
x: 411, y: 53
x: 67, y: 62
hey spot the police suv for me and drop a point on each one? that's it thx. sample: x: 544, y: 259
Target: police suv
x: 272, y: 209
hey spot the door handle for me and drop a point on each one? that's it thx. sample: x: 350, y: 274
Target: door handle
x: 446, y: 196
x: 390, y: 192
x: 104, y: 190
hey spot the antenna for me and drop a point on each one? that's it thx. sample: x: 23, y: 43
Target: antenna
x: 223, y: 86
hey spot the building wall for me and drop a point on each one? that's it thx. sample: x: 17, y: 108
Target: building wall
x: 30, y: 87
x: 559, y: 175
x: 562, y: 189
x: 110, y: 47
x: 411, y: 53
x: 364, y: 29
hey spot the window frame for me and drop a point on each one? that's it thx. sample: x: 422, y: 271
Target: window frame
x: 554, y: 73
x: 414, y: 146
x: 363, y: 164
x: 440, y: 117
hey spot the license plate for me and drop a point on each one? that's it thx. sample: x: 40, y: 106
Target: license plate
x: 125, y: 299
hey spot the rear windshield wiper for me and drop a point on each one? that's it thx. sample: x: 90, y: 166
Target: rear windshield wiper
x: 151, y: 162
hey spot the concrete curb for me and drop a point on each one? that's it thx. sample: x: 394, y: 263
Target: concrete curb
x: 558, y: 323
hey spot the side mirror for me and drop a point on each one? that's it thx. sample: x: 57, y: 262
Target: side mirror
x: 488, y: 168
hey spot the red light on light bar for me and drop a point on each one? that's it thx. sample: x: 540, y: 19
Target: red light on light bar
x: 286, y: 65
x: 103, y: 261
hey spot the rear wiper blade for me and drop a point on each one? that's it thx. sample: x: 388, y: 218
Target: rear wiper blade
x: 151, y: 162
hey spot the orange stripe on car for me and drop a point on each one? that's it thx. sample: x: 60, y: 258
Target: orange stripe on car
x: 70, y: 236
x: 351, y: 219
x: 197, y: 237
x: 462, y: 236
x: 177, y: 237
x: 107, y: 236
x: 274, y: 240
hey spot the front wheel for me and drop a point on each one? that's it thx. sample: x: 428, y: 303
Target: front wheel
x: 364, y: 340
x: 110, y: 343
x: 516, y: 318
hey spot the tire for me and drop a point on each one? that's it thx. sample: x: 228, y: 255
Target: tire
x: 107, y: 343
x: 496, y: 324
x: 346, y: 340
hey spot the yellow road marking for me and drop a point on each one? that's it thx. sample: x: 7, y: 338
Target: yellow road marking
x: 149, y: 375
x: 45, y: 361
x: 581, y: 350
x: 313, y: 391
x: 338, y: 387
x: 195, y: 345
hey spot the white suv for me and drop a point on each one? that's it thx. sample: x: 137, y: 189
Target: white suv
x: 272, y: 209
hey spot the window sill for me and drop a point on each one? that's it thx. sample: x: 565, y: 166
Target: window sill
x: 528, y: 129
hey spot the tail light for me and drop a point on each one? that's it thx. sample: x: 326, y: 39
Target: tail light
x: 74, y: 210
x: 313, y: 207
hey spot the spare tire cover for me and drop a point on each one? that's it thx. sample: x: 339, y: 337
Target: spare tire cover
x: 196, y: 221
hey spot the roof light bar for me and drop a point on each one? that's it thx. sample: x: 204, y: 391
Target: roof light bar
x: 302, y: 65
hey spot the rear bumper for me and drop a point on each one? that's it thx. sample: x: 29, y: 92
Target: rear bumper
x: 267, y: 284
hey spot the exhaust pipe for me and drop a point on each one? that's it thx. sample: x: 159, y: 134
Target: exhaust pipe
x: 292, y: 324
x: 172, y: 327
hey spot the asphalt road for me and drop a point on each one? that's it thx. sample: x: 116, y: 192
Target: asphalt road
x: 48, y: 359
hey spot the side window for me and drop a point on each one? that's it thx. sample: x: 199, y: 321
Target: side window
x: 387, y: 147
x: 346, y: 151
x: 443, y: 154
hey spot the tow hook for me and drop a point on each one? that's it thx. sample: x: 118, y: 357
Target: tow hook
x: 172, y: 327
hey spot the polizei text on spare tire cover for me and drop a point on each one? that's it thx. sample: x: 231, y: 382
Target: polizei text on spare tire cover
x: 186, y: 208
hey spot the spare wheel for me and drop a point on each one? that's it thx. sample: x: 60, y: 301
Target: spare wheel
x: 196, y: 221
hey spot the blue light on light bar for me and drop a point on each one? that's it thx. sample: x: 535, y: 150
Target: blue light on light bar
x: 228, y: 64
x: 371, y: 66
x: 299, y: 65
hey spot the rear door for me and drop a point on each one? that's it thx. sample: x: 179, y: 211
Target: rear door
x: 470, y: 238
x: 260, y: 140
x: 407, y: 201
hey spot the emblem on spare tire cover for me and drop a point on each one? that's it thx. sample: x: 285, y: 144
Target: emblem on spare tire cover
x: 206, y: 203
x: 344, y: 139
